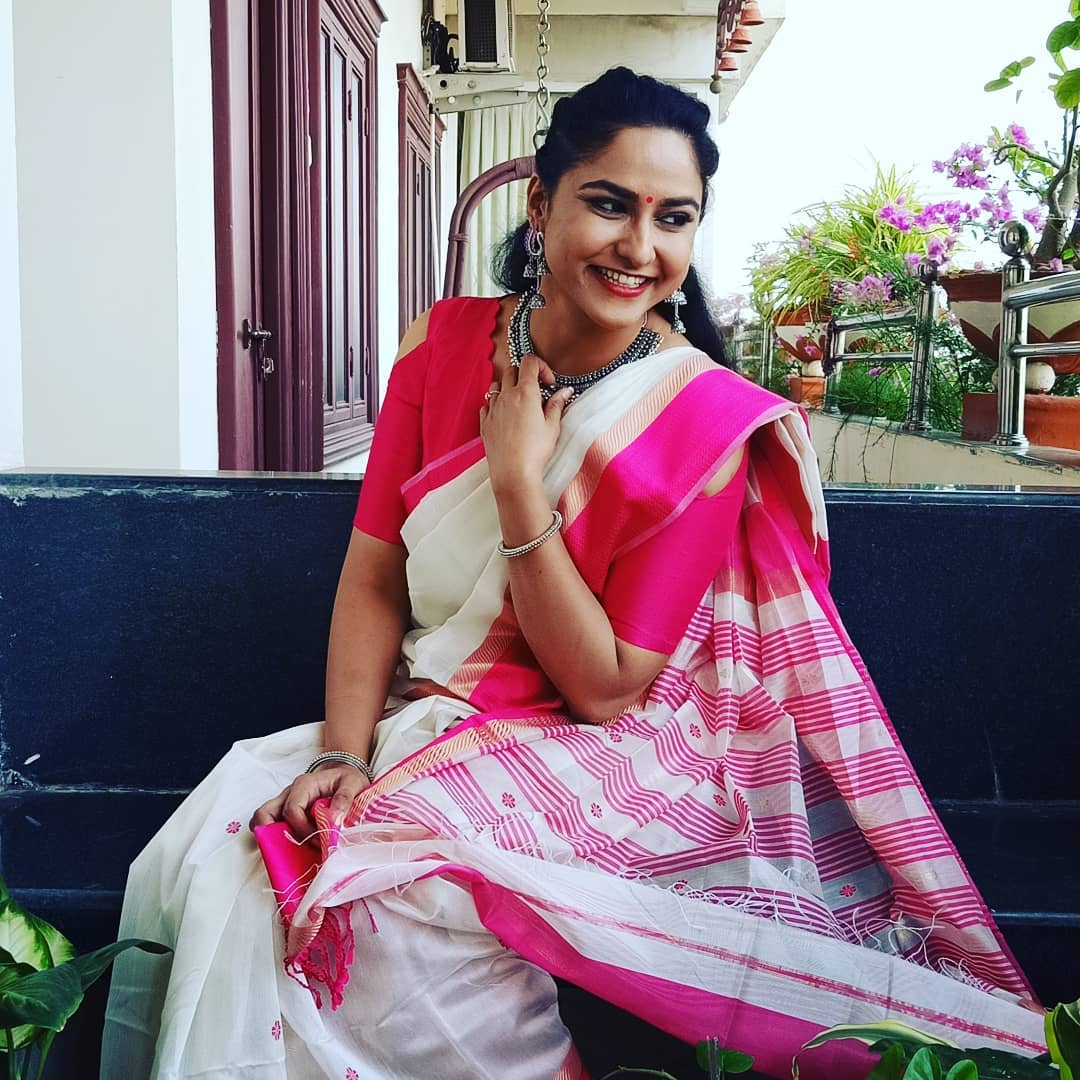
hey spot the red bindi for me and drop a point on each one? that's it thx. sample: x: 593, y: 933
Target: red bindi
x: 648, y: 198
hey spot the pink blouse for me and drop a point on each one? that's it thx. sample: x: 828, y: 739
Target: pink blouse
x: 432, y: 406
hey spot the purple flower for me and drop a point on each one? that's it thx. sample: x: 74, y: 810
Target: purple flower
x: 912, y: 261
x: 1056, y: 265
x: 936, y: 249
x: 1035, y: 216
x: 875, y: 372
x: 899, y: 217
x: 1019, y: 136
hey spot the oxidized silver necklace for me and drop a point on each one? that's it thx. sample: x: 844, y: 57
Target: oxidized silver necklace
x: 519, y: 342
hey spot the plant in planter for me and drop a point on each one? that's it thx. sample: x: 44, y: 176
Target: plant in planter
x: 1010, y: 177
x: 858, y: 253
x: 42, y: 983
x: 714, y: 1060
x: 909, y: 1054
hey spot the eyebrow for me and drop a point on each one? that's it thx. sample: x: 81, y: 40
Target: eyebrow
x: 631, y: 196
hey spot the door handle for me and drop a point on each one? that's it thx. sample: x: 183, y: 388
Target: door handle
x: 258, y: 337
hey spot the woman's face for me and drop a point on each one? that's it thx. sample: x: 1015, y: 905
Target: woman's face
x: 619, y: 228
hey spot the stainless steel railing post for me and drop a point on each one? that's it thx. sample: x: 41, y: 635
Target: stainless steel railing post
x: 829, y: 405
x: 766, y: 352
x: 1012, y: 368
x: 921, y: 352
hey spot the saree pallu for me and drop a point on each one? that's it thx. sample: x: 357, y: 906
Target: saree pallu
x: 746, y: 853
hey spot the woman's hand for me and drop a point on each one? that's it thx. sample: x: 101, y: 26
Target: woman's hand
x: 519, y: 430
x: 339, y: 783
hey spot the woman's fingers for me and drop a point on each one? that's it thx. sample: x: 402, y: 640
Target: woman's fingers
x: 529, y: 371
x: 347, y: 789
x: 546, y: 374
x: 556, y: 405
x: 270, y: 810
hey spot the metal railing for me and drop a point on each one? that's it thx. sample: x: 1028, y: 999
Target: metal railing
x: 921, y: 319
x: 1018, y: 295
x: 756, y: 337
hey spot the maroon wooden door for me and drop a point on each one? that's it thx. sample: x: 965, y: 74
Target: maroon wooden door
x: 267, y: 223
x: 234, y: 46
x: 294, y: 153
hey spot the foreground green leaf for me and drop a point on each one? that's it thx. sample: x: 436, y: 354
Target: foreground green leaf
x: 874, y: 1034
x: 1063, y: 1038
x: 45, y: 999
x: 92, y: 965
x: 963, y: 1070
x: 1067, y: 89
x: 28, y: 939
x: 890, y: 1065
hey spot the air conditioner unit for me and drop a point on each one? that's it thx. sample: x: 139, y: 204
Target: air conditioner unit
x: 486, y: 35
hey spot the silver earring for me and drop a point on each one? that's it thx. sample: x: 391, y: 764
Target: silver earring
x: 676, y: 300
x: 537, y: 265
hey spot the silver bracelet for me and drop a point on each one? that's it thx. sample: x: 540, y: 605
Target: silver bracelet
x: 532, y: 545
x: 342, y: 757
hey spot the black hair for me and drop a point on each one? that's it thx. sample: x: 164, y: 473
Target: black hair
x: 582, y: 126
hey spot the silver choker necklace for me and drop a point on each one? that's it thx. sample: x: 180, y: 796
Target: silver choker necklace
x: 519, y: 342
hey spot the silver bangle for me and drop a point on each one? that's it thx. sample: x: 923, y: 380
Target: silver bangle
x: 532, y: 545
x: 341, y: 757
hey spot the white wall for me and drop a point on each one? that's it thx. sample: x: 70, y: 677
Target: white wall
x: 399, y: 43
x: 11, y: 425
x: 116, y: 233
x: 858, y: 451
x: 196, y: 343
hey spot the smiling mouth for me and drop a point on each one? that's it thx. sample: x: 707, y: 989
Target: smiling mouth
x: 624, y: 281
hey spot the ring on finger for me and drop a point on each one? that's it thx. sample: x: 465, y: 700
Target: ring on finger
x: 491, y: 394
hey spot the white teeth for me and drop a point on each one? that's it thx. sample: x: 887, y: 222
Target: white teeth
x: 630, y: 281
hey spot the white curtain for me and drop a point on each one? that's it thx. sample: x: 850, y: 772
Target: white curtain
x: 488, y: 137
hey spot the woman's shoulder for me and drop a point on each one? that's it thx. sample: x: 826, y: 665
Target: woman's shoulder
x: 458, y: 321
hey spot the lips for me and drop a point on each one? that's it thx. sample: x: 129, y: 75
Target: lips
x: 619, y: 283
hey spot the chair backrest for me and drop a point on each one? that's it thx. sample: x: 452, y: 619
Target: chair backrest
x: 505, y: 173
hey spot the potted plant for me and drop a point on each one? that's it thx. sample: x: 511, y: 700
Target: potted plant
x: 1010, y: 177
x: 42, y: 983
x: 860, y: 251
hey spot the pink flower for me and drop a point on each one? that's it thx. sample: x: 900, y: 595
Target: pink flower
x: 233, y: 827
x: 275, y: 1031
x: 1019, y: 136
x: 695, y: 731
x: 508, y: 800
x: 1035, y: 216
x: 351, y: 1074
x: 935, y: 249
x: 875, y: 371
x: 614, y: 736
x: 847, y: 890
x: 719, y: 799
x: 595, y: 810
x: 1056, y: 265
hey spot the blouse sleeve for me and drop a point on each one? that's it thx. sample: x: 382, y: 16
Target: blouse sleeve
x: 396, y: 452
x: 651, y: 592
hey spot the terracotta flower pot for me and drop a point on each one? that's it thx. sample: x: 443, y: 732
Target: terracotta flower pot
x: 1048, y: 421
x: 808, y: 390
x: 975, y: 298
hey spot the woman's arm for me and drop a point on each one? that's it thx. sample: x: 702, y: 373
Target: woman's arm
x: 565, y: 625
x: 371, y: 612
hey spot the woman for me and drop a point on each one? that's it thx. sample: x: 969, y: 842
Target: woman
x: 629, y: 742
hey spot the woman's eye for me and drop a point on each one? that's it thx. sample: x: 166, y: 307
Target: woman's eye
x: 677, y: 220
x: 607, y: 206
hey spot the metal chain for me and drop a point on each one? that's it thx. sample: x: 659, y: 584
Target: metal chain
x: 543, y: 95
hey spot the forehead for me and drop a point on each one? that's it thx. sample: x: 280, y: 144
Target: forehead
x: 647, y: 160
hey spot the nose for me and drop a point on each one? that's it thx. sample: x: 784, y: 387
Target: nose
x: 635, y: 243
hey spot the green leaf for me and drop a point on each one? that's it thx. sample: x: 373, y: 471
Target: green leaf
x: 890, y: 1065
x: 733, y: 1062
x: 1063, y: 1039
x: 1074, y: 8
x: 998, y: 84
x: 924, y: 1066
x: 1067, y: 89
x: 44, y: 998
x: 91, y: 966
x: 1010, y: 71
x: 873, y: 1034
x: 30, y: 940
x: 1063, y: 36
x: 963, y: 1070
